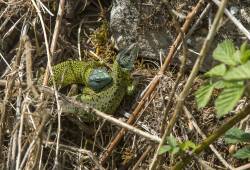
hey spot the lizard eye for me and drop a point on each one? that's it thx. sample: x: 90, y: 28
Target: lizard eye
x: 98, y: 79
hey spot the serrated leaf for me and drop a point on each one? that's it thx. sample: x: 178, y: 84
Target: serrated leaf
x: 236, y: 135
x: 228, y: 99
x: 187, y: 145
x: 203, y: 95
x: 217, y: 71
x: 245, y: 56
x: 245, y: 52
x: 237, y: 56
x: 243, y: 153
x: 241, y: 72
x: 219, y: 84
x: 164, y: 149
x: 243, y: 47
x: 224, y: 53
x: 172, y: 141
x: 174, y: 150
x: 229, y: 84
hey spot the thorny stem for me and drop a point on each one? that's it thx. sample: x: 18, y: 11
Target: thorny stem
x: 215, y: 135
x: 180, y: 73
x: 187, y: 87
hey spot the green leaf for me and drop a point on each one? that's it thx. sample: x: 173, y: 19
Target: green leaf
x: 228, y: 99
x: 217, y: 71
x: 241, y: 72
x: 203, y: 95
x: 245, y: 56
x: 237, y: 56
x: 164, y: 149
x: 236, y: 135
x: 174, y: 150
x: 187, y: 145
x: 243, y: 153
x: 219, y: 84
x: 243, y: 47
x: 229, y: 84
x: 172, y: 141
x: 224, y: 53
x: 172, y: 146
x: 245, y: 52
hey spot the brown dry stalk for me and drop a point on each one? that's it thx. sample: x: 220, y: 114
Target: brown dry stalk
x: 188, y: 85
x: 153, y: 83
x: 53, y: 44
x: 213, y: 137
x: 102, y: 115
x: 81, y: 151
x: 199, y: 131
x: 8, y: 91
x: 28, y: 55
x: 180, y: 73
x: 33, y: 144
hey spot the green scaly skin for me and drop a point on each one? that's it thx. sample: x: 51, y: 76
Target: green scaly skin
x: 72, y: 72
x: 109, y: 98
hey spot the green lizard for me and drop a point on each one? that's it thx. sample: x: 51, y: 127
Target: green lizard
x: 103, y: 96
x: 90, y: 74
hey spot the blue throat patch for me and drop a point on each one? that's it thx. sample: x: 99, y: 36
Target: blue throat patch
x: 99, y: 78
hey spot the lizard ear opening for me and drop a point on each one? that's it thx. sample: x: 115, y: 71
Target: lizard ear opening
x: 127, y: 56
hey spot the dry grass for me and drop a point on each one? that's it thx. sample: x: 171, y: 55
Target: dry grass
x: 30, y: 125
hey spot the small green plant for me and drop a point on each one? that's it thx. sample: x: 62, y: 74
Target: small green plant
x: 238, y: 136
x: 230, y: 77
x: 174, y: 147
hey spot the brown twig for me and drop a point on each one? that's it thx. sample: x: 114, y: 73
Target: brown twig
x: 4, y: 83
x: 234, y: 20
x: 8, y: 91
x: 188, y: 85
x: 143, y: 156
x: 39, y: 131
x: 153, y: 83
x: 28, y: 55
x: 180, y: 73
x: 216, y: 152
x: 82, y: 151
x: 107, y: 117
x: 54, y: 41
x: 243, y: 167
x: 214, y: 136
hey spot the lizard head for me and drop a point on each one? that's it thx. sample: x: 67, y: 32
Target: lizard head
x: 98, y: 79
x: 127, y: 56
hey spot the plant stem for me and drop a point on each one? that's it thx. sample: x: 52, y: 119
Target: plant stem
x: 188, y: 85
x: 228, y: 125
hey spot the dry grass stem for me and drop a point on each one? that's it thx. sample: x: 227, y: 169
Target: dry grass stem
x: 187, y: 87
x: 153, y: 83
